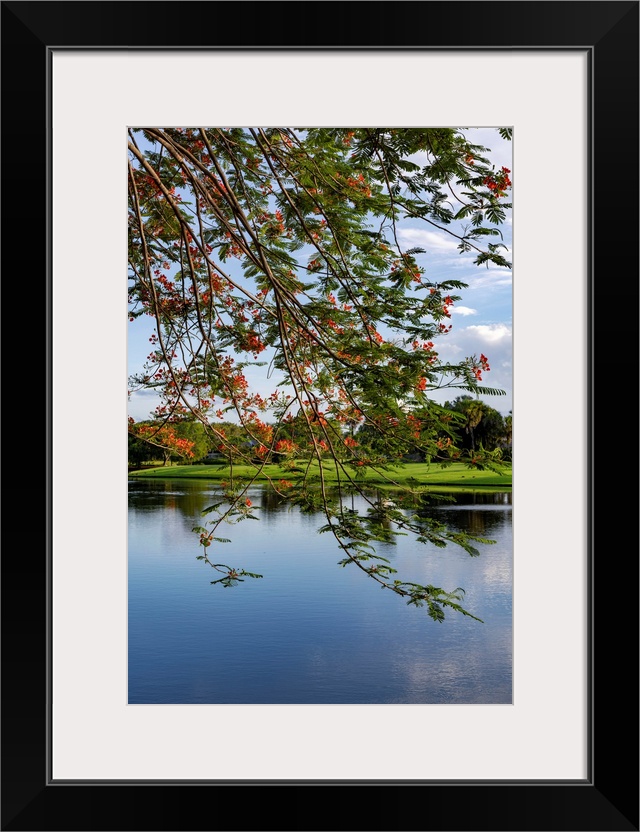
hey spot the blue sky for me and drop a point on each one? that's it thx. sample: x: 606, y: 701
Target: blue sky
x: 481, y: 320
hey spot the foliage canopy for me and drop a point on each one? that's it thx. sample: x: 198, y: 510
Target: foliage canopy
x: 279, y: 247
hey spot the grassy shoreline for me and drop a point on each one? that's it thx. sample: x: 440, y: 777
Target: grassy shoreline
x: 455, y: 477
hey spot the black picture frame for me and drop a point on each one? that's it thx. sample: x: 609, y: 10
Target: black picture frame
x: 608, y: 799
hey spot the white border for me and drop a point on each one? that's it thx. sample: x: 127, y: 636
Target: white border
x: 95, y: 734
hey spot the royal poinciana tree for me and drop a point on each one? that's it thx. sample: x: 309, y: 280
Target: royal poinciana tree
x: 280, y: 247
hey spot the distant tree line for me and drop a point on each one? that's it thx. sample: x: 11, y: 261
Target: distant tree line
x: 466, y: 425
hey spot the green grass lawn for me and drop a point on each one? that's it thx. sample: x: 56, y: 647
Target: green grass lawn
x: 454, y: 477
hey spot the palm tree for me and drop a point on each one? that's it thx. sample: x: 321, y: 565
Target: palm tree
x: 508, y: 432
x: 473, y: 411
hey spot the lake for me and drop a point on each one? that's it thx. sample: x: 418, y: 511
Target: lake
x: 309, y: 631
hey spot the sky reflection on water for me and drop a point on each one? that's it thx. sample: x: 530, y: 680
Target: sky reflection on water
x: 309, y: 632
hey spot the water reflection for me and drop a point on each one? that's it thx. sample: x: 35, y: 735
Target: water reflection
x: 310, y: 632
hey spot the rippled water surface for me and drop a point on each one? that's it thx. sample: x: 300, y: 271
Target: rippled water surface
x: 309, y: 632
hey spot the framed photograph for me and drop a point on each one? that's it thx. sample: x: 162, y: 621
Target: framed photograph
x: 561, y: 751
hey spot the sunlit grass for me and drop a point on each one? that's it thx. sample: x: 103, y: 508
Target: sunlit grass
x: 455, y: 476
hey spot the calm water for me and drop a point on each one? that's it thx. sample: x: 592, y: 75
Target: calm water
x: 309, y: 632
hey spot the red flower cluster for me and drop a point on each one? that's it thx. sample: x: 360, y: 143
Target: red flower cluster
x: 164, y: 436
x: 483, y: 365
x: 359, y: 184
x: 254, y: 344
x: 499, y: 182
x: 284, y: 446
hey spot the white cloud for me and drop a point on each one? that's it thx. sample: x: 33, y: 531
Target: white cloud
x: 141, y: 403
x: 432, y: 241
x: 495, y: 341
x: 490, y: 333
x: 486, y: 279
x: 463, y: 310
